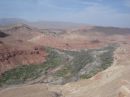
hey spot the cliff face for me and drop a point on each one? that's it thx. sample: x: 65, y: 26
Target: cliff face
x: 10, y: 58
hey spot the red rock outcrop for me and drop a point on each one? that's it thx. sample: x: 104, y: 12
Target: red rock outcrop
x: 10, y: 58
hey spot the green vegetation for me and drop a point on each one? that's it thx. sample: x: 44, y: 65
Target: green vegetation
x: 91, y: 73
x: 20, y: 74
x: 70, y: 63
x: 106, y: 59
x: 29, y: 72
x: 80, y: 60
x: 63, y: 72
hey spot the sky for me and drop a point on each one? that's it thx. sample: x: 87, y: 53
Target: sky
x: 94, y: 12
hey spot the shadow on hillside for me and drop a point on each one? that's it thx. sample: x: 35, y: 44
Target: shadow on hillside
x: 3, y: 35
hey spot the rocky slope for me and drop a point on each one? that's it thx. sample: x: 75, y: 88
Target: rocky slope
x: 10, y: 58
x: 111, y: 82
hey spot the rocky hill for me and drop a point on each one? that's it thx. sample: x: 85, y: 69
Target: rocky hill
x: 85, y: 61
x: 20, y: 31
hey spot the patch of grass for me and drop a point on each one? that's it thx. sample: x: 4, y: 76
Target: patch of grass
x: 63, y: 72
x: 107, y: 58
x: 54, y: 59
x: 20, y: 74
x: 91, y: 73
x: 80, y: 60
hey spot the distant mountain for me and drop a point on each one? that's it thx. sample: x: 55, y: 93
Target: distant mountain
x: 8, y: 21
x: 59, y: 25
x: 105, y: 30
x: 19, y: 31
x: 40, y: 24
x: 55, y: 25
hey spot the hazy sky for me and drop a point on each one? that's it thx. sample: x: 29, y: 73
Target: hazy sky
x: 96, y: 12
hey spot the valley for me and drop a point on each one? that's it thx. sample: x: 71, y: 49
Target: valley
x: 82, y: 61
